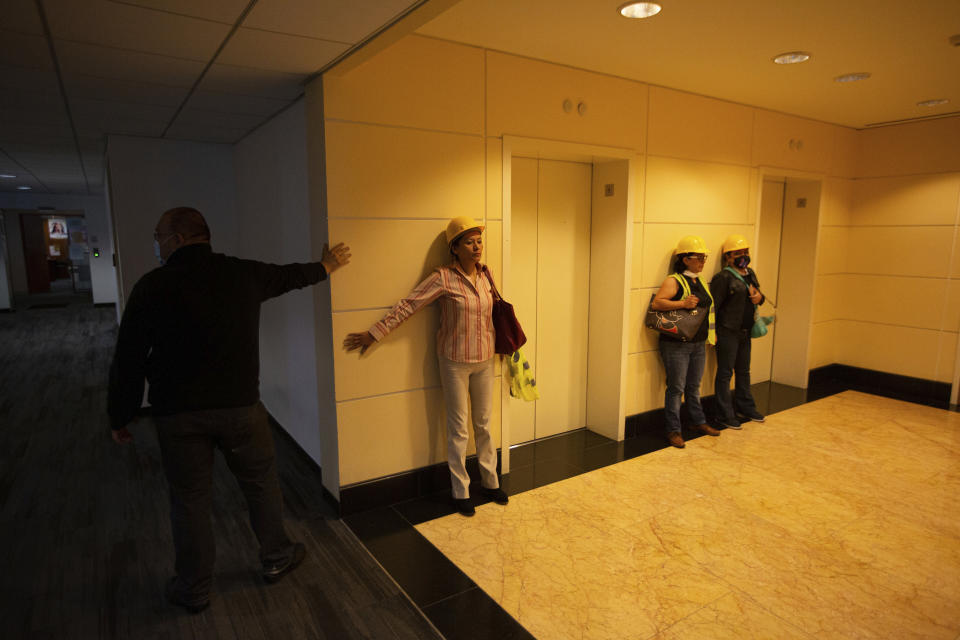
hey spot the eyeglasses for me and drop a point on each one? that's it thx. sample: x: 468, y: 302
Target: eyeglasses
x: 700, y: 257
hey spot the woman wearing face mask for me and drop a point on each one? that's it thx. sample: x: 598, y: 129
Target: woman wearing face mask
x: 736, y: 299
x: 465, y: 351
x: 684, y: 361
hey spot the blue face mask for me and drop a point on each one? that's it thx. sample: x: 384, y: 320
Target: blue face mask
x: 156, y: 251
x: 742, y: 262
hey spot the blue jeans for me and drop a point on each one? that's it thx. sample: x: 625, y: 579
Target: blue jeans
x: 733, y: 357
x: 684, y: 362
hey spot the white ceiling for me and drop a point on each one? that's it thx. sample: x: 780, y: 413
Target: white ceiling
x: 725, y: 49
x: 72, y: 71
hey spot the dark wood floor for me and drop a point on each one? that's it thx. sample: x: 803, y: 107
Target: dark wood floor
x: 85, y: 543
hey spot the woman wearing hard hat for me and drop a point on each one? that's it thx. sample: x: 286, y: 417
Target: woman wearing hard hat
x: 684, y: 360
x: 736, y: 292
x: 465, y: 351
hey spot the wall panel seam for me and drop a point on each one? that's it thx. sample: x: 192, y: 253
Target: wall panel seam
x: 386, y: 125
x: 713, y: 162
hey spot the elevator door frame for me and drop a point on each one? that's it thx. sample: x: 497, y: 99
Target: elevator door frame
x: 606, y: 413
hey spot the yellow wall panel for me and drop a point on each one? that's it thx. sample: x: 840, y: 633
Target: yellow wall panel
x: 905, y: 251
x: 909, y: 302
x: 646, y: 382
x: 948, y: 350
x: 494, y: 179
x: 951, y: 319
x: 916, y: 147
x: 824, y: 343
x: 684, y: 125
x: 639, y: 166
x: 493, y: 251
x: 636, y: 264
x: 689, y: 191
x: 390, y: 257
x: 639, y: 337
x: 786, y: 141
x: 405, y: 359
x: 836, y: 201
x: 397, y: 432
x: 525, y: 98
x: 913, y: 200
x: 417, y: 82
x: 845, y: 147
x: 955, y: 258
x: 830, y: 297
x: 903, y: 350
x: 832, y: 255
x: 659, y: 241
x: 383, y: 172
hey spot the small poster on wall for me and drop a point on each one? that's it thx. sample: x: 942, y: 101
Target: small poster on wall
x: 57, y: 228
x: 54, y: 250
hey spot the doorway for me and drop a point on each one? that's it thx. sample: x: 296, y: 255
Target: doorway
x: 551, y: 217
x: 786, y: 257
x: 566, y: 268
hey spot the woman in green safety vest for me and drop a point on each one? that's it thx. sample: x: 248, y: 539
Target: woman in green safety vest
x: 684, y: 360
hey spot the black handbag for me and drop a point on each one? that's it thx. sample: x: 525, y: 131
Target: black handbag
x: 509, y: 335
x: 682, y: 324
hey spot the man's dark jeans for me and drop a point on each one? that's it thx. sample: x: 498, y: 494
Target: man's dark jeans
x: 187, y: 442
x: 684, y: 363
x: 733, y: 356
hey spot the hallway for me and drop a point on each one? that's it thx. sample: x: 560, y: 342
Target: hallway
x: 83, y: 522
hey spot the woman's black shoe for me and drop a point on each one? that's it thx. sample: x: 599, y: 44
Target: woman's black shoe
x: 497, y: 495
x: 173, y: 598
x: 464, y: 506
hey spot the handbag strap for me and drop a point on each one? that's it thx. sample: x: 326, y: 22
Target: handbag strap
x: 740, y: 278
x: 493, y: 287
x: 711, y: 318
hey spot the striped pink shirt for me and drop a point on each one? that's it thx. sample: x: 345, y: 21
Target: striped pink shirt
x: 466, y: 321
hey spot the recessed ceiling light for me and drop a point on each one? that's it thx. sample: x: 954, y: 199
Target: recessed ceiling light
x: 852, y: 77
x: 7, y: 175
x: 24, y: 188
x: 792, y: 57
x: 932, y: 103
x: 640, y: 9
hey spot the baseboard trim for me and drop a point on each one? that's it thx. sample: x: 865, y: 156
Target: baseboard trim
x: 842, y: 377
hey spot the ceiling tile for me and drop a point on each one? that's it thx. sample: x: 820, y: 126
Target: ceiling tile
x: 16, y: 132
x: 24, y: 50
x: 100, y: 124
x: 279, y: 52
x: 333, y: 20
x: 104, y: 62
x: 204, y: 133
x: 226, y: 11
x: 205, y: 118
x: 52, y: 117
x: 85, y: 107
x: 252, y: 82
x: 232, y: 103
x: 22, y: 16
x: 20, y: 79
x: 83, y: 86
x: 134, y: 28
x: 45, y: 101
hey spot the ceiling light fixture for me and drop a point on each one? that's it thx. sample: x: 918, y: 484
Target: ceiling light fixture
x: 24, y: 188
x: 640, y: 10
x: 7, y: 175
x: 792, y: 57
x: 852, y: 77
x: 932, y: 103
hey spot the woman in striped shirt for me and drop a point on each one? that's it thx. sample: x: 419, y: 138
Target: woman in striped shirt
x: 465, y: 351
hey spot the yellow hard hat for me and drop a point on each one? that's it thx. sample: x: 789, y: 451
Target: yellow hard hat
x: 691, y: 244
x: 460, y: 225
x: 735, y: 243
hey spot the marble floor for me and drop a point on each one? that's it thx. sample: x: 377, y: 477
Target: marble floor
x: 838, y: 518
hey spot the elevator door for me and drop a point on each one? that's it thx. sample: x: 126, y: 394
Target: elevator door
x: 550, y: 261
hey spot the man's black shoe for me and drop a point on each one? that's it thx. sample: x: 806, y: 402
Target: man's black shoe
x: 173, y: 598
x: 497, y: 495
x: 464, y: 507
x: 273, y: 572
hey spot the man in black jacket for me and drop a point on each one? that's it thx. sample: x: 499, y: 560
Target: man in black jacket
x: 191, y: 329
